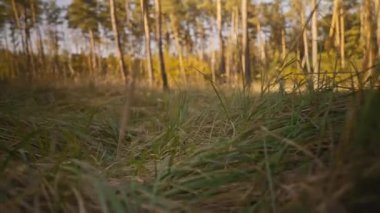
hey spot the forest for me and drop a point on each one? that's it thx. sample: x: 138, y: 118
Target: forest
x: 189, y: 106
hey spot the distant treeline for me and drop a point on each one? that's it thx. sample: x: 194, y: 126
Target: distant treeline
x: 169, y: 41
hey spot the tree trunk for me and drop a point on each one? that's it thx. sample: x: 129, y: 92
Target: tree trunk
x: 92, y: 53
x: 367, y: 34
x: 337, y: 30
x: 149, y: 64
x: 119, y: 47
x: 334, y: 28
x: 281, y: 79
x: 28, y: 45
x: 230, y: 47
x: 165, y: 84
x: 40, y: 46
x: 213, y: 66
x: 314, y: 32
x: 126, y: 9
x: 222, y: 63
x: 18, y: 23
x: 305, y: 57
x: 12, y: 67
x: 53, y: 49
x: 245, y: 45
x: 129, y: 82
x: 261, y: 44
x: 178, y: 45
x: 22, y: 31
x: 283, y: 44
x: 236, y: 56
x: 342, y: 37
x: 202, y: 41
x: 377, y: 8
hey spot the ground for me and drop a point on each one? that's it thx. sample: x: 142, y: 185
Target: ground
x: 189, y: 150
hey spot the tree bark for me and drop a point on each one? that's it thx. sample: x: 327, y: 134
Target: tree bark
x: 334, y: 28
x: 337, y: 30
x: 314, y: 32
x: 165, y: 84
x: 377, y: 8
x: 222, y: 63
x: 120, y: 52
x: 92, y: 53
x: 261, y: 43
x: 367, y: 34
x: 304, y: 53
x: 174, y: 26
x: 283, y: 44
x: 245, y: 45
x: 149, y: 64
x: 342, y: 37
x: 28, y: 44
x: 230, y: 47
x: 126, y: 9
x: 40, y: 45
x: 16, y: 16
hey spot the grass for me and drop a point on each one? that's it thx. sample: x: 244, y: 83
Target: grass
x: 193, y: 150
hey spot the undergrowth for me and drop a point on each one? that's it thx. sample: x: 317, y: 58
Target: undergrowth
x: 187, y: 151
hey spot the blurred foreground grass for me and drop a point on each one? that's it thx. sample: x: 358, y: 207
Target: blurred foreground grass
x: 188, y: 151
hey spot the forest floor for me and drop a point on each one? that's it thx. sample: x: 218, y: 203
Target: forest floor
x: 193, y: 150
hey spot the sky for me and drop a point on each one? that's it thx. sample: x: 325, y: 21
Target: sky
x: 63, y: 2
x: 66, y: 2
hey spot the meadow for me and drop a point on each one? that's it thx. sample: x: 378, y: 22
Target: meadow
x: 188, y: 150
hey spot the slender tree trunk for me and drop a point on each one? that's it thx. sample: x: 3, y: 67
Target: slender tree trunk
x: 129, y: 82
x: 14, y: 46
x: 233, y: 54
x: 236, y: 56
x: 283, y: 44
x: 40, y: 46
x: 377, y: 8
x: 245, y: 45
x: 178, y: 45
x: 280, y: 76
x: 92, y: 53
x: 22, y: 29
x: 368, y: 35
x: 9, y: 57
x: 126, y: 9
x: 230, y: 47
x: 213, y: 66
x: 281, y: 79
x: 202, y: 41
x: 15, y: 14
x: 149, y: 64
x: 18, y: 23
x: 164, y: 77
x: 222, y: 63
x: 53, y: 50
x: 342, y: 36
x: 189, y: 45
x: 120, y: 52
x: 28, y: 46
x: 314, y: 32
x: 337, y: 30
x: 334, y: 28
x: 261, y: 43
x: 306, y: 67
